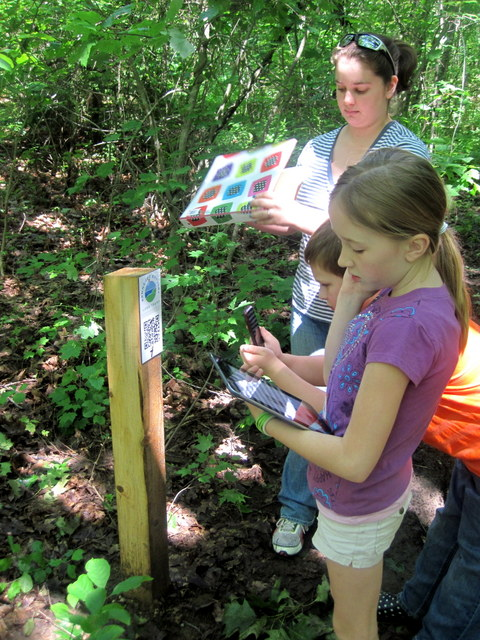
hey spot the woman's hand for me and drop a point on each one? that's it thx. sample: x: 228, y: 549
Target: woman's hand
x: 269, y: 209
x: 281, y: 216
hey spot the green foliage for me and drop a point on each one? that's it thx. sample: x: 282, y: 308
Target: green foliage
x: 132, y: 242
x: 213, y: 294
x: 33, y: 567
x: 90, y: 609
x: 458, y: 170
x: 81, y: 396
x: 15, y: 394
x: 277, y: 617
x: 55, y: 264
x: 52, y: 477
x: 208, y: 466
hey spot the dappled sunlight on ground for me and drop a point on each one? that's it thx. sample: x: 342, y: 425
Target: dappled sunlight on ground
x: 47, y: 222
x: 183, y: 527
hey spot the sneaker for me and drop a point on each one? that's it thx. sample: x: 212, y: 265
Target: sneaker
x: 390, y: 610
x: 288, y: 537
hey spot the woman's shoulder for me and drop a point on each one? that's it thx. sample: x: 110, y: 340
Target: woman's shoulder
x: 398, y: 135
x: 319, y: 148
x: 326, y: 139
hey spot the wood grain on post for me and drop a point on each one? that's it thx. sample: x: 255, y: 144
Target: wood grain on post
x: 137, y: 437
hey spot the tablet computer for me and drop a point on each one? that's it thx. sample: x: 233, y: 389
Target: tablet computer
x: 267, y: 396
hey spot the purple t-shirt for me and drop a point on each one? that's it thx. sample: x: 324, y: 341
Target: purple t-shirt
x: 418, y: 333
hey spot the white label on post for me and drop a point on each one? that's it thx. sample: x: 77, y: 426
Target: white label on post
x: 150, y: 315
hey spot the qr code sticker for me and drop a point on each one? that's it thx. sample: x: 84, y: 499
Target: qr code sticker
x: 151, y: 331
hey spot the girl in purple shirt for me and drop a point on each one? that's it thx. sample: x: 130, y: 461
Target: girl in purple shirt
x: 386, y: 368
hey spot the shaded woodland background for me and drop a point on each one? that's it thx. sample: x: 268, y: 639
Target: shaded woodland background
x: 109, y: 115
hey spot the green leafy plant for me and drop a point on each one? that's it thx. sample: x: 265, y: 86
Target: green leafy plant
x: 56, y: 264
x: 109, y: 503
x: 209, y: 308
x: 90, y: 609
x: 32, y: 567
x: 5, y: 466
x: 81, y: 396
x: 460, y: 171
x: 206, y: 466
x: 132, y: 242
x: 53, y: 478
x: 277, y: 617
x: 14, y: 394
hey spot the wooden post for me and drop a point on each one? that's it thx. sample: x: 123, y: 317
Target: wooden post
x: 136, y: 410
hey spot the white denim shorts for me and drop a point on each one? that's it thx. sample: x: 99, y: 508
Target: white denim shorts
x: 359, y: 545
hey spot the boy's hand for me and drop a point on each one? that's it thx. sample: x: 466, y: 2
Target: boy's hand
x: 271, y: 342
x: 259, y: 360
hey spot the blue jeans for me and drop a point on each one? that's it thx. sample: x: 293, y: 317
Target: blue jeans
x: 307, y: 334
x: 444, y: 591
x: 297, y: 503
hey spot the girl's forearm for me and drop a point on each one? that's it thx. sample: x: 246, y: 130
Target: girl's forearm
x: 289, y: 381
x: 323, y: 450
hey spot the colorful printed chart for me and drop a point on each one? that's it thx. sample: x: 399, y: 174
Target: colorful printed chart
x: 231, y: 183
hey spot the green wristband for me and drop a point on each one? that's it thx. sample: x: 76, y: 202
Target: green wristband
x: 262, y: 420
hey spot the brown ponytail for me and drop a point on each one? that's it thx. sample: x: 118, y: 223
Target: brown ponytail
x: 449, y: 263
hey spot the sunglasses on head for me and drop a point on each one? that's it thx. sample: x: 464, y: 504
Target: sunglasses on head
x: 367, y: 41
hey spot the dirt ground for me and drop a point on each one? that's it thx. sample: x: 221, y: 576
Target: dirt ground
x: 216, y: 553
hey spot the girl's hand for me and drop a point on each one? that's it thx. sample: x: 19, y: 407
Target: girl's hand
x: 354, y: 289
x: 254, y: 410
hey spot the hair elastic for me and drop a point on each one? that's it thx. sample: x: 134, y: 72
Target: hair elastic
x: 262, y: 420
x: 444, y: 228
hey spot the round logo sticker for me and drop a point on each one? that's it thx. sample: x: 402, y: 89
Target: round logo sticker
x: 150, y: 291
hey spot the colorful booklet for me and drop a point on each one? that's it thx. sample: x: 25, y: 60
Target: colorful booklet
x: 233, y: 180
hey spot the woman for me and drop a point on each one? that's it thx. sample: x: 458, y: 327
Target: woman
x: 369, y: 71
